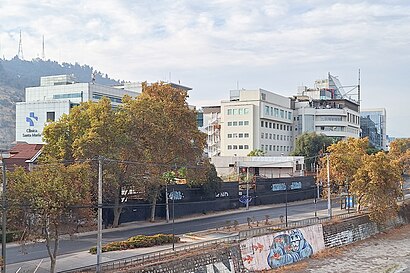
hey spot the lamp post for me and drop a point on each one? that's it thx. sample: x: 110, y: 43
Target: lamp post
x: 173, y: 219
x: 247, y: 188
x: 286, y: 204
x: 99, y: 233
x: 329, y: 205
x: 4, y: 215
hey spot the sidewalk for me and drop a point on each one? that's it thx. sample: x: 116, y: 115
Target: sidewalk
x: 81, y: 259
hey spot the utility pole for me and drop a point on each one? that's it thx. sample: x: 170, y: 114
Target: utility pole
x: 99, y: 234
x: 247, y: 188
x: 166, y: 202
x: 4, y: 216
x: 329, y: 204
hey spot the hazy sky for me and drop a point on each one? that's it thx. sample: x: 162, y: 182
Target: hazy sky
x: 214, y: 46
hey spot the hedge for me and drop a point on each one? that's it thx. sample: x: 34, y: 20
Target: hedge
x: 138, y: 242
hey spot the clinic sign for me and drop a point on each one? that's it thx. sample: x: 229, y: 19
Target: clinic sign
x: 31, y: 131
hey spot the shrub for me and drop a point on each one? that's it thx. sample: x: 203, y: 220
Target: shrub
x: 137, y: 242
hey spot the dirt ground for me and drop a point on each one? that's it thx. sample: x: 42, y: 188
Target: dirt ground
x: 385, y: 253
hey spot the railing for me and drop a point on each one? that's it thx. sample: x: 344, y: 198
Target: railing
x: 142, y: 259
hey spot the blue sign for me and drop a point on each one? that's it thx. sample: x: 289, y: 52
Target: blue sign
x: 245, y: 199
x: 31, y: 118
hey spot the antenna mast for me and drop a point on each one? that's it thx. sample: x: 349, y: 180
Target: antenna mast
x: 43, y: 54
x: 358, y: 90
x: 20, y: 52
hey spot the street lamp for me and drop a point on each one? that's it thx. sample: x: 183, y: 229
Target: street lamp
x: 286, y: 204
x: 4, y: 216
x: 329, y: 205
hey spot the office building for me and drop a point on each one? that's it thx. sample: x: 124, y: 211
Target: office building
x: 373, y: 126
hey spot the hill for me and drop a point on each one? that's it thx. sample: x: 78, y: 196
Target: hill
x: 16, y: 75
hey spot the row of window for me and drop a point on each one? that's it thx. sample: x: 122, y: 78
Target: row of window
x: 67, y: 96
x: 353, y: 118
x: 238, y: 111
x: 276, y: 112
x: 97, y: 96
x: 238, y: 135
x: 276, y: 137
x: 275, y: 148
x: 238, y: 147
x: 278, y: 126
x: 238, y: 123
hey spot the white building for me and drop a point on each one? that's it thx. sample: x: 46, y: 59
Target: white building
x: 55, y: 96
x: 325, y: 109
x: 256, y: 119
x: 211, y: 125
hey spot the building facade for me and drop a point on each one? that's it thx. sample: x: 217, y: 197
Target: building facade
x: 256, y: 119
x: 55, y: 96
x: 211, y: 125
x: 373, y: 126
x: 325, y: 109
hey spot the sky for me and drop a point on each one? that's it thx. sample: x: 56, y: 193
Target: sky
x: 215, y: 46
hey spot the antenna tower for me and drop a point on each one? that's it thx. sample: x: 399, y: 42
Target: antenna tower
x: 20, y: 52
x: 43, y: 54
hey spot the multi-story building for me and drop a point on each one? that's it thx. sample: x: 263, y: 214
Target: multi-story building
x: 373, y: 126
x: 55, y: 96
x: 211, y: 125
x: 256, y: 119
x: 325, y: 109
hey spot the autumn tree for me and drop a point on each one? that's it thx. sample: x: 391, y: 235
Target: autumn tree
x: 376, y: 185
x: 400, y: 152
x: 310, y: 145
x: 256, y: 152
x: 46, y: 202
x: 97, y: 130
x: 167, y: 130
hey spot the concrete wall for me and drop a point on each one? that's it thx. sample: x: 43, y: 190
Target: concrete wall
x: 282, y: 248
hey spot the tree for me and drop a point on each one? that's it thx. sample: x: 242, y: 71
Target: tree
x: 256, y: 152
x: 377, y: 186
x: 46, y: 202
x: 167, y: 129
x: 400, y: 152
x: 310, y: 145
x: 96, y: 129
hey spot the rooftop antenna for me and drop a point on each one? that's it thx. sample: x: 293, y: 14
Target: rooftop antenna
x: 358, y: 90
x: 20, y: 52
x: 43, y: 54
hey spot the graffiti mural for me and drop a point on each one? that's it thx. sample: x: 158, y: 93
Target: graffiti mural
x: 283, y: 248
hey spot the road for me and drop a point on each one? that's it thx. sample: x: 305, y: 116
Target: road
x: 83, y: 242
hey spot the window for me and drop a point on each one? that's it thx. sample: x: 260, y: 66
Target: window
x: 282, y: 113
x: 281, y: 137
x: 287, y: 127
x: 229, y: 147
x: 262, y: 147
x: 229, y: 111
x: 274, y: 136
x: 276, y: 112
x: 229, y: 135
x: 290, y: 115
x: 271, y: 111
x: 273, y: 125
x: 234, y: 135
x: 246, y: 147
x: 234, y: 111
x: 274, y: 148
x: 262, y: 135
x: 240, y: 135
x: 229, y: 123
x: 262, y: 123
x: 67, y: 96
x: 270, y: 147
x: 270, y: 136
x: 51, y: 116
x: 281, y: 127
x: 266, y: 124
x: 240, y: 147
x: 246, y: 122
x: 240, y: 123
x: 234, y: 123
x: 245, y: 110
x: 235, y: 147
x: 270, y: 124
x: 266, y: 110
x: 240, y: 111
x: 246, y: 135
x: 263, y: 96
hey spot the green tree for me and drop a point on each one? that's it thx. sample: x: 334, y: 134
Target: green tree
x: 45, y: 203
x: 96, y: 129
x: 400, y: 152
x: 310, y: 145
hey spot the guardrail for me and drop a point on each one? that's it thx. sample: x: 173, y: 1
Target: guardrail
x: 151, y: 257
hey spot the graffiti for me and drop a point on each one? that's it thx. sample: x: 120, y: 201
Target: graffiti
x: 273, y: 250
x: 176, y: 195
x: 296, y: 185
x: 288, y: 248
x: 222, y: 194
x: 279, y: 187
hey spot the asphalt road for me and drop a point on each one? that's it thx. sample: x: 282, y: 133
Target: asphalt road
x: 17, y: 254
